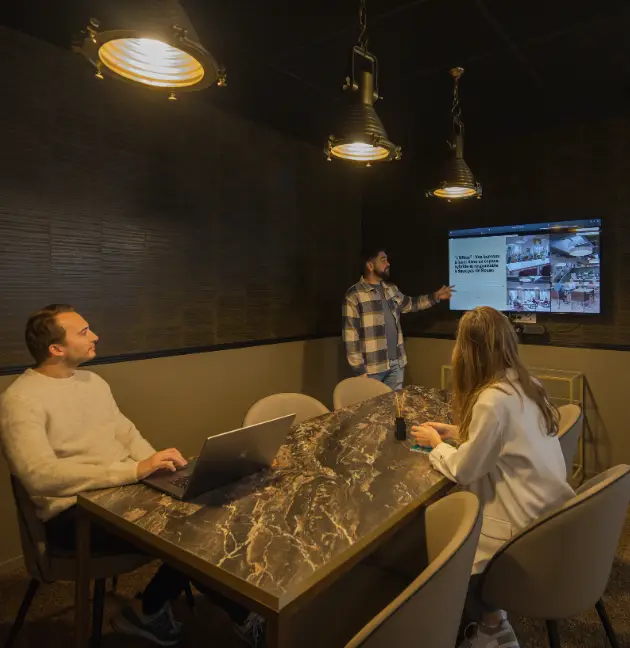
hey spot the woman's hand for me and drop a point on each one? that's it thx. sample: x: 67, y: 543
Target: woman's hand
x: 426, y: 435
x: 445, y: 430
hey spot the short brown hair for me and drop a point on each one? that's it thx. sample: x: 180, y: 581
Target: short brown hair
x: 369, y: 254
x: 42, y: 330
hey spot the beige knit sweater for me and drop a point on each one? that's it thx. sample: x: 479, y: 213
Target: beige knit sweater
x: 62, y: 436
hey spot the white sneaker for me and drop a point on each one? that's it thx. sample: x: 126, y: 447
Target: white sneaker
x: 160, y: 628
x: 504, y: 637
x: 252, y: 631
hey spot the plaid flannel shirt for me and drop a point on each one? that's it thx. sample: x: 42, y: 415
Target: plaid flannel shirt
x: 364, y: 325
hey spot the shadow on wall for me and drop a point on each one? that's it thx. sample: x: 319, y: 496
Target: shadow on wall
x: 596, y: 435
x: 319, y: 367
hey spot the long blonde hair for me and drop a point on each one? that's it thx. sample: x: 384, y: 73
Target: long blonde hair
x: 485, y: 350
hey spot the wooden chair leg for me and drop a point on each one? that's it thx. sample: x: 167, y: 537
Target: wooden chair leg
x: 603, y: 617
x: 98, y: 607
x: 554, y: 635
x: 33, y: 586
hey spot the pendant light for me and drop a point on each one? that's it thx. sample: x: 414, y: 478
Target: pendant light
x: 360, y: 135
x: 148, y: 42
x: 458, y: 181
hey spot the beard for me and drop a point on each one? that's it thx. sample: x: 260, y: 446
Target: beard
x: 382, y: 274
x: 78, y: 358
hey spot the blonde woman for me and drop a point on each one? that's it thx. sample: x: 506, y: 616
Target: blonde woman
x: 507, y: 451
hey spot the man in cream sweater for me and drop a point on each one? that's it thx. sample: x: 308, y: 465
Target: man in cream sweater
x: 62, y: 433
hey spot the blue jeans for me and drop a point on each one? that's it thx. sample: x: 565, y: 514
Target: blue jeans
x: 393, y: 377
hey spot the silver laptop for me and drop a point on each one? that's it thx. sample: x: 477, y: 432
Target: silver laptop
x: 225, y: 458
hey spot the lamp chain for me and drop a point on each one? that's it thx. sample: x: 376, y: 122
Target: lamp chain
x: 456, y: 110
x: 363, y: 38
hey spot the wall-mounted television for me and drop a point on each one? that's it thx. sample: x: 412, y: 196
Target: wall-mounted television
x: 538, y: 268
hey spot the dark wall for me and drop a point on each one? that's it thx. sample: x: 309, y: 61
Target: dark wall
x: 579, y: 170
x: 167, y: 224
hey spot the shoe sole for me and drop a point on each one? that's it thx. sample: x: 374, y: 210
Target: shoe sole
x: 127, y: 628
x: 241, y: 635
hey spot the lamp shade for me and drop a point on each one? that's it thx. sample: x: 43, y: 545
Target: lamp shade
x: 458, y: 181
x: 148, y: 42
x: 360, y: 135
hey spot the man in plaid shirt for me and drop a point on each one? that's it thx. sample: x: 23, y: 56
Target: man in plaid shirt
x: 371, y: 321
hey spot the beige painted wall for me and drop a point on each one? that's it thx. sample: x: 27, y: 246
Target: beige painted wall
x: 182, y: 399
x: 607, y: 376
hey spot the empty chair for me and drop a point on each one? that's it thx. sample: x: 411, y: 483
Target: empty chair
x: 45, y: 566
x: 271, y: 407
x: 428, y: 611
x: 354, y: 390
x: 561, y: 563
x: 569, y: 428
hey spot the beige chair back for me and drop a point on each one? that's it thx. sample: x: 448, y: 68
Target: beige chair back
x: 271, y: 407
x: 354, y: 390
x: 428, y: 611
x: 559, y: 566
x: 569, y: 429
x: 47, y: 567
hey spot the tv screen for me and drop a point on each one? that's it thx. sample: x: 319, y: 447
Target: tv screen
x: 541, y: 268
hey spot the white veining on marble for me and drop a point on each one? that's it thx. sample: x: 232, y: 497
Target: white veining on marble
x: 339, y: 477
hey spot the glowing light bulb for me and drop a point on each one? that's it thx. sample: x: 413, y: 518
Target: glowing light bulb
x: 360, y: 152
x: 455, y: 192
x: 152, y: 62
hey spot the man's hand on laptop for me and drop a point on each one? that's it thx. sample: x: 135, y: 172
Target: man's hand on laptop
x: 170, y: 460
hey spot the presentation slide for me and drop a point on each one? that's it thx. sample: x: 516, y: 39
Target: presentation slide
x: 478, y: 272
x: 545, y: 267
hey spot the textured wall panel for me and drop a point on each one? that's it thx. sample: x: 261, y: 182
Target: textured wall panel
x: 168, y: 224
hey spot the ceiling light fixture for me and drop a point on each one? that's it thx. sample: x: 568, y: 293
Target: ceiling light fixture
x: 149, y: 42
x: 458, y: 181
x: 361, y: 136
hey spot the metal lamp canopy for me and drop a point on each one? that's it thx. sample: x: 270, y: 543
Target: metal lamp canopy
x: 148, y: 42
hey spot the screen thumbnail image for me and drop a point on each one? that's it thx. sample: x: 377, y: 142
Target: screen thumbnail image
x: 528, y: 259
x: 575, y: 273
x: 529, y: 299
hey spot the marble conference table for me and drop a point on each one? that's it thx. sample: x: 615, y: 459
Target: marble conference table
x: 276, y: 539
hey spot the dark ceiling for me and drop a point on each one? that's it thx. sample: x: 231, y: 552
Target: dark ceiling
x: 526, y: 62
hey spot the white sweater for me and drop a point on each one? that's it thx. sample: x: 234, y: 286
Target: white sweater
x: 512, y: 465
x: 62, y: 436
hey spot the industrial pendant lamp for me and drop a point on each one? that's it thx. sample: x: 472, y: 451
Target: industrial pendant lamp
x: 457, y: 179
x: 149, y: 42
x: 360, y: 136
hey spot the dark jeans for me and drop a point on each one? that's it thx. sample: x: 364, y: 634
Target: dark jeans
x: 393, y: 377
x: 167, y: 583
x: 474, y: 607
